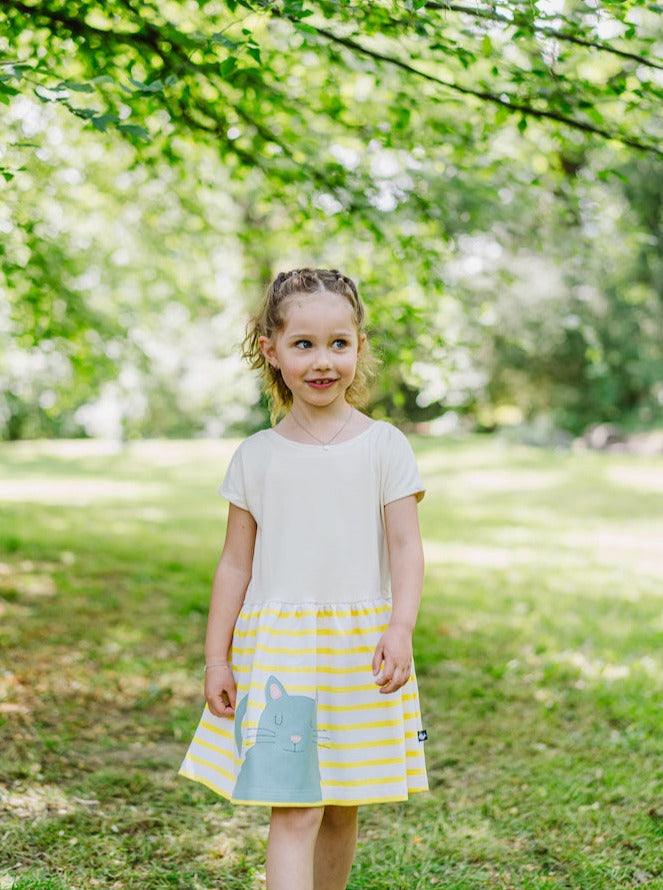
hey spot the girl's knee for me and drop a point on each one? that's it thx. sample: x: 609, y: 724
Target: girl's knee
x: 298, y: 819
x: 340, y: 817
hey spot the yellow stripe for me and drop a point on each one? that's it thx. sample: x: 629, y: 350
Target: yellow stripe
x: 367, y: 706
x: 311, y: 688
x: 341, y: 708
x: 203, y: 744
x: 350, y: 746
x: 370, y: 724
x: 313, y: 631
x: 328, y: 801
x: 320, y: 612
x: 416, y: 772
x: 354, y: 783
x: 297, y: 650
x: 371, y: 743
x: 286, y: 669
x: 217, y: 731
x: 213, y: 766
x: 360, y: 764
x: 340, y: 727
x: 282, y: 668
x: 205, y: 781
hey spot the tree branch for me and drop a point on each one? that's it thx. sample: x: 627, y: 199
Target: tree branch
x: 512, y: 107
x: 520, y: 21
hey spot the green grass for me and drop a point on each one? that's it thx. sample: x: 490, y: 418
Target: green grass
x: 538, y: 650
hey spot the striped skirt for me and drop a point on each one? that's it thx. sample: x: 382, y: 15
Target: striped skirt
x: 310, y: 726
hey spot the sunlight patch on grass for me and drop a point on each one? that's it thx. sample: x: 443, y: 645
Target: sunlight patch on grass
x: 495, y: 557
x: 636, y: 544
x: 483, y: 482
x: 647, y: 478
x: 597, y: 668
x: 35, y: 800
x: 477, y: 555
x: 76, y: 492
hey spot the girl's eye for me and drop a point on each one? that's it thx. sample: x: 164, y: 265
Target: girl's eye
x: 303, y: 344
x: 278, y: 719
x: 340, y: 343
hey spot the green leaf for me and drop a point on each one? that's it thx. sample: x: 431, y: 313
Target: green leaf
x: 220, y: 38
x: 85, y: 113
x: 254, y: 51
x: 102, y: 121
x: 134, y: 130
x: 227, y: 67
x: 76, y: 87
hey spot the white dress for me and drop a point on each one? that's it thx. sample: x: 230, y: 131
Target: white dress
x: 310, y: 726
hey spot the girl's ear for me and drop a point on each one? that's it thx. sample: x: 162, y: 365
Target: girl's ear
x: 267, y: 348
x: 362, y: 340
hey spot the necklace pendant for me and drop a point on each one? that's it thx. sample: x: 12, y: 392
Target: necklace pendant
x: 325, y: 446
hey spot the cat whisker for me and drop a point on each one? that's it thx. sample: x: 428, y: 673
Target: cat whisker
x: 255, y: 731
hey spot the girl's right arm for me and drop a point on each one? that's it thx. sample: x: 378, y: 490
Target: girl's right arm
x: 231, y: 579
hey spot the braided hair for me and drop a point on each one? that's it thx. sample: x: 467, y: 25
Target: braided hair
x: 270, y: 318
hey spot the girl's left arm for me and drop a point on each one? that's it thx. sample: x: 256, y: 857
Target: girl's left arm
x: 392, y: 661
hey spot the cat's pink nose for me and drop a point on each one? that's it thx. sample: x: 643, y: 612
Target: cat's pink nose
x: 295, y: 738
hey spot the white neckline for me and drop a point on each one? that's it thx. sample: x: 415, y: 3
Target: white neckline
x: 320, y: 447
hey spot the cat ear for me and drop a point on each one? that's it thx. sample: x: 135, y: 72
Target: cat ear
x: 274, y: 689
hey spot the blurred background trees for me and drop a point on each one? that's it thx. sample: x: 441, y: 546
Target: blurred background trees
x: 491, y: 174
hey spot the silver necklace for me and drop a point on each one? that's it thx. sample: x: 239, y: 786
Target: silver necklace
x: 325, y: 445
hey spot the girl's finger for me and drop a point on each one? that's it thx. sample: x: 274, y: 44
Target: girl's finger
x: 377, y: 659
x: 229, y: 695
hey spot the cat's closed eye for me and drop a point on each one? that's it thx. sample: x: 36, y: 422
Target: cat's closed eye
x: 278, y: 719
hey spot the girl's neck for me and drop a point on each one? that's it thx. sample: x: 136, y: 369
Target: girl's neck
x: 324, y: 416
x: 322, y: 426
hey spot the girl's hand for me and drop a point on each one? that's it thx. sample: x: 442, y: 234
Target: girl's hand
x: 220, y: 690
x: 392, y: 661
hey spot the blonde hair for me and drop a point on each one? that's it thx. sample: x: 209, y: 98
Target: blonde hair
x: 270, y: 318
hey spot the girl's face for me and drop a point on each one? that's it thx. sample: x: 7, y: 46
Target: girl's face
x: 316, y: 349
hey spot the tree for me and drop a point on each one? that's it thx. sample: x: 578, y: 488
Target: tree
x: 378, y: 134
x: 263, y: 80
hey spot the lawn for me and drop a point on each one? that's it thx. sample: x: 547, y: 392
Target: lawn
x: 539, y: 653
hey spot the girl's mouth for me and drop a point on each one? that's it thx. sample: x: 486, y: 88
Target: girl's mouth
x: 323, y: 383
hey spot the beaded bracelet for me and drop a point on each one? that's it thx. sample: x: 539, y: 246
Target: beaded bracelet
x: 220, y: 664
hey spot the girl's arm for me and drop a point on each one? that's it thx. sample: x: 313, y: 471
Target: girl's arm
x: 231, y: 579
x: 406, y: 560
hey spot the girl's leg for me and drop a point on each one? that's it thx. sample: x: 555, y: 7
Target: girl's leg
x: 291, y: 847
x: 335, y: 849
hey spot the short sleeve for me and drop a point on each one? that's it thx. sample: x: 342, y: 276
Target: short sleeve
x: 233, y: 487
x: 400, y: 472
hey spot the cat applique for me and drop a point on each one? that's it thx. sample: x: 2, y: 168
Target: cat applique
x: 282, y: 764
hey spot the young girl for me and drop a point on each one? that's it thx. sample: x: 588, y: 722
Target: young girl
x: 312, y: 704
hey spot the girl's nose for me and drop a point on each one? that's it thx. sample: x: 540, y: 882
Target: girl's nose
x: 322, y: 359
